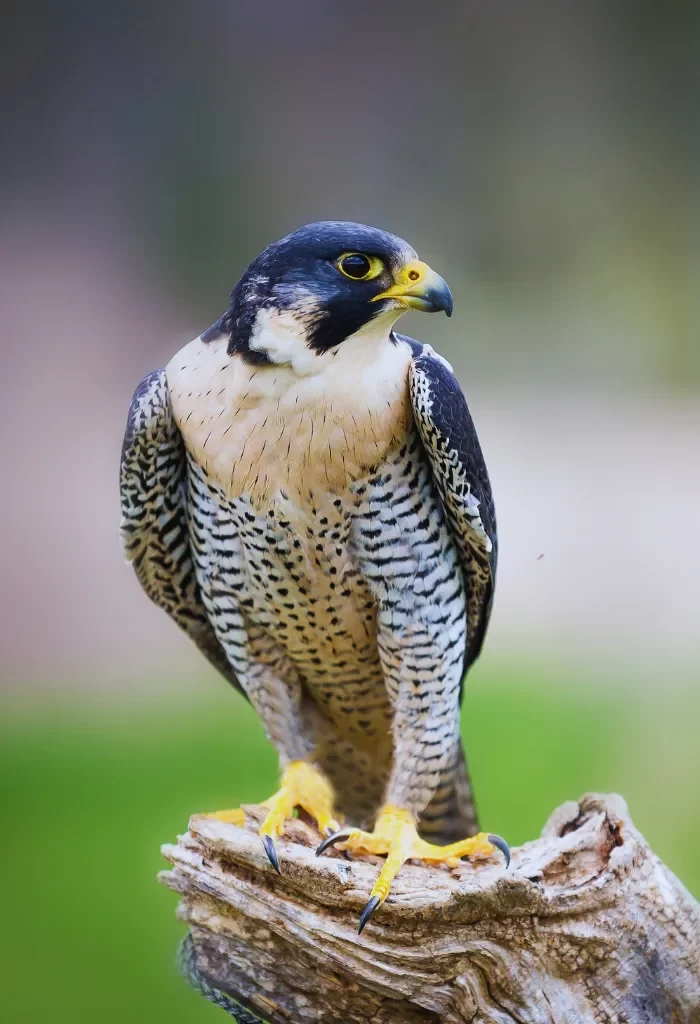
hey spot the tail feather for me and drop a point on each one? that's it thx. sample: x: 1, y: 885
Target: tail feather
x: 451, y: 814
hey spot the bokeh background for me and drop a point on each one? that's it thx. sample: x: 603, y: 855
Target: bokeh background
x: 545, y: 159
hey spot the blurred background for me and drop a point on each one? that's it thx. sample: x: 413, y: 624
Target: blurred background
x: 545, y: 159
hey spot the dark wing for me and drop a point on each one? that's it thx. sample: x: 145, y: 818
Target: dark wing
x: 449, y: 438
x: 153, y: 483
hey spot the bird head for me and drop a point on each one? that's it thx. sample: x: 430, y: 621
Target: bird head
x: 322, y: 284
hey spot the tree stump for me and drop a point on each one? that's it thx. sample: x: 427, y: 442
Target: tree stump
x: 587, y: 925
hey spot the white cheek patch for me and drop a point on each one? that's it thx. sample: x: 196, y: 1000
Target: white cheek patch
x: 281, y: 336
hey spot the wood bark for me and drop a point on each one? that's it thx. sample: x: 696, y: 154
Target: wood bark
x: 587, y: 926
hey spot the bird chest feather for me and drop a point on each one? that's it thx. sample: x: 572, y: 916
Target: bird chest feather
x: 259, y: 430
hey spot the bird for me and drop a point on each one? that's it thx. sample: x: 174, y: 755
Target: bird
x: 304, y: 493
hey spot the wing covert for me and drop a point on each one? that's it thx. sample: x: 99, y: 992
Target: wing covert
x: 451, y: 443
x: 154, y: 531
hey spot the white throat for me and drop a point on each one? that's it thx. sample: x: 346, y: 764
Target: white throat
x: 281, y: 336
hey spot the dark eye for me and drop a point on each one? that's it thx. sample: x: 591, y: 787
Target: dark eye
x: 355, y: 266
x: 359, y: 267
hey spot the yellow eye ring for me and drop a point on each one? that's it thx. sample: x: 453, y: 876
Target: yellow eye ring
x: 359, y: 267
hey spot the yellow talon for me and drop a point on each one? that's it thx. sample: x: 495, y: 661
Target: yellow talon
x: 302, y: 786
x: 235, y: 816
x: 395, y: 835
x: 475, y: 846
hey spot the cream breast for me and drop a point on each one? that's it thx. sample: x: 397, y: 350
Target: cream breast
x: 310, y: 425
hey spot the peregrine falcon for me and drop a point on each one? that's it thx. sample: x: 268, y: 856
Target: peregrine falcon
x: 303, y: 491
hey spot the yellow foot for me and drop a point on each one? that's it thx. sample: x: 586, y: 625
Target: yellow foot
x: 302, y: 786
x: 395, y: 835
x: 236, y: 816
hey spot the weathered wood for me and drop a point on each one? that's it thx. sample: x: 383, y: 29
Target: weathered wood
x: 587, y: 925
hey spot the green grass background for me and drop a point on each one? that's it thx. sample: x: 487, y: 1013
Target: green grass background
x: 89, y: 794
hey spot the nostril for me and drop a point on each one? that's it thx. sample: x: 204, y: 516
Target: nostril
x: 413, y: 275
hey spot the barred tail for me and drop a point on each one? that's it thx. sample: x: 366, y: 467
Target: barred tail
x: 451, y: 814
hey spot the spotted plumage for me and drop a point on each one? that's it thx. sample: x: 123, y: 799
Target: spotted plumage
x: 318, y: 518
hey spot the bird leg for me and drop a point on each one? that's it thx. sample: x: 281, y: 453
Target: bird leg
x: 395, y: 835
x: 302, y: 786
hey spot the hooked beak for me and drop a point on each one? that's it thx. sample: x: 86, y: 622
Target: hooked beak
x: 419, y: 287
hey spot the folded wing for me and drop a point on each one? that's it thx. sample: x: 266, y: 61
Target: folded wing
x: 450, y: 441
x: 154, y: 530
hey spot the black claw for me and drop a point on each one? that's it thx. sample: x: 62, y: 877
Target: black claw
x: 367, y: 913
x: 343, y: 853
x: 501, y: 845
x: 336, y: 837
x: 269, y: 844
